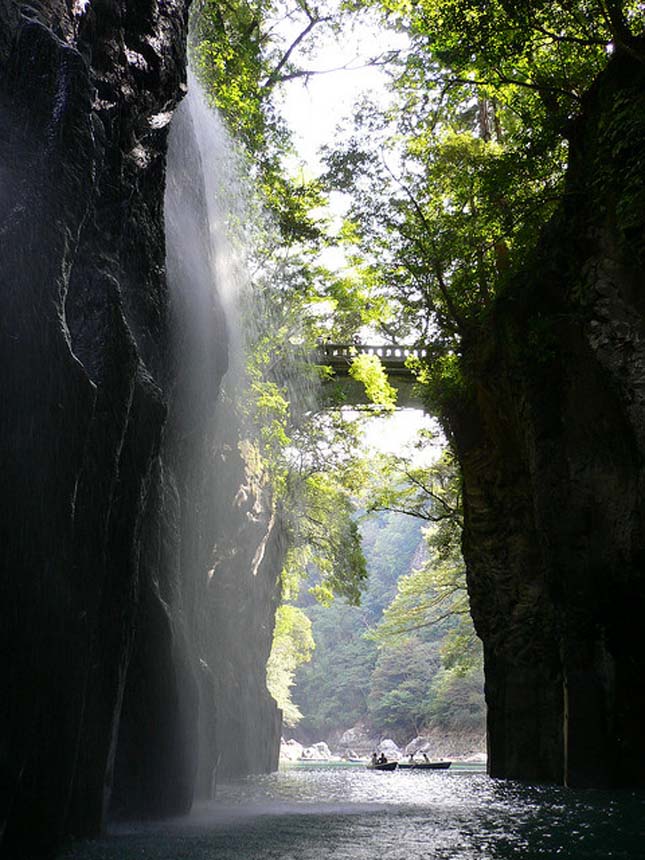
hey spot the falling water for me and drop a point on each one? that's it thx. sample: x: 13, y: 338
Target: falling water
x: 206, y: 271
x: 231, y: 539
x: 214, y: 226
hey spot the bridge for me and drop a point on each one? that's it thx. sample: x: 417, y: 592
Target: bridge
x: 339, y: 357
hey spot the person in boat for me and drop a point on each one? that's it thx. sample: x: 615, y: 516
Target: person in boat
x: 382, y: 759
x: 425, y: 758
x: 374, y: 758
x: 411, y: 757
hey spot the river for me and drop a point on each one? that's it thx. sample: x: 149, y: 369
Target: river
x: 350, y: 813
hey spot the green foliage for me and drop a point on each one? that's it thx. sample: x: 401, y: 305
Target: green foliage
x: 457, y: 701
x: 452, y: 184
x: 428, y: 492
x: 429, y: 668
x: 326, y: 527
x: 444, y: 381
x: 391, y: 543
x: 293, y: 645
x: 296, y: 453
x: 230, y: 59
x: 429, y: 614
x: 620, y: 168
x: 368, y: 370
x: 401, y: 684
x: 243, y: 52
x: 550, y: 49
x: 433, y: 597
x: 333, y: 688
x: 425, y: 597
x: 418, y: 660
x: 331, y: 691
x: 439, y: 235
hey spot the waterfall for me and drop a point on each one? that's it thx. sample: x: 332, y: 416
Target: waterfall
x: 206, y: 272
x: 231, y: 542
x: 216, y: 542
x: 130, y: 635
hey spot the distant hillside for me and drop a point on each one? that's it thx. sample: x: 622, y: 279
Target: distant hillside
x: 396, y: 687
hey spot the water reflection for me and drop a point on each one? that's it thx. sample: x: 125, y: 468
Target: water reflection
x: 355, y: 814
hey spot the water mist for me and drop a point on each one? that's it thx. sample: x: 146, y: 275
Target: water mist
x: 231, y: 541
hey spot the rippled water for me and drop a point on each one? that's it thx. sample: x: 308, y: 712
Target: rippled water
x: 351, y: 813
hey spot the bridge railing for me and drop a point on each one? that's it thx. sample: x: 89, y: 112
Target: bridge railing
x: 387, y: 352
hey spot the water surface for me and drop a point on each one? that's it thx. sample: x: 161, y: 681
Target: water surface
x: 351, y: 813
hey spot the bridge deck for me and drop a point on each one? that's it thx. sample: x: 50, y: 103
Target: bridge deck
x: 393, y: 357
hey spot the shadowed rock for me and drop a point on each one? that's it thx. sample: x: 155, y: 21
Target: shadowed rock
x: 105, y: 525
x: 551, y: 442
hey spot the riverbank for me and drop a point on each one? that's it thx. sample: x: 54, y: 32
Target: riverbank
x: 357, y: 743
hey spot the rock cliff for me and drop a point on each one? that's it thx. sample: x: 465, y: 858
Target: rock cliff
x: 107, y: 518
x: 551, y: 439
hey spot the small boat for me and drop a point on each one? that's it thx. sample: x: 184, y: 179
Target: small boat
x: 425, y: 765
x: 386, y: 765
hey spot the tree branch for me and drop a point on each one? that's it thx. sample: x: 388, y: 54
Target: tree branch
x: 275, y: 76
x: 504, y: 79
x: 421, y: 626
x: 456, y: 316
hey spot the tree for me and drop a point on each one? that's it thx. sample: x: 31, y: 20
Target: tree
x: 456, y: 702
x: 429, y: 669
x: 293, y: 645
x: 332, y: 690
x: 434, y: 595
x: 451, y: 185
x: 401, y: 684
x: 242, y: 53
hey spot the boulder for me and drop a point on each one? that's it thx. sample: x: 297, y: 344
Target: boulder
x: 291, y: 750
x: 357, y: 740
x: 389, y: 748
x: 318, y: 751
x: 419, y: 744
x: 439, y: 744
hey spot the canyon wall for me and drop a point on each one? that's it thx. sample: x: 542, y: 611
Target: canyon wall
x: 550, y: 434
x: 109, y: 506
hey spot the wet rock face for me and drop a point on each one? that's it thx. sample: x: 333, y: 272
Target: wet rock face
x: 243, y: 594
x: 551, y: 444
x: 82, y: 345
x: 116, y: 697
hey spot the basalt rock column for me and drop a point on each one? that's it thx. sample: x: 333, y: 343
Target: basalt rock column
x: 158, y: 759
x: 551, y: 440
x: 86, y: 92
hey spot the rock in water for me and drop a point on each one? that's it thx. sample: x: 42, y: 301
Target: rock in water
x: 291, y: 750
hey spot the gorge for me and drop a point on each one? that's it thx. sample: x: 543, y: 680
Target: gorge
x: 141, y: 552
